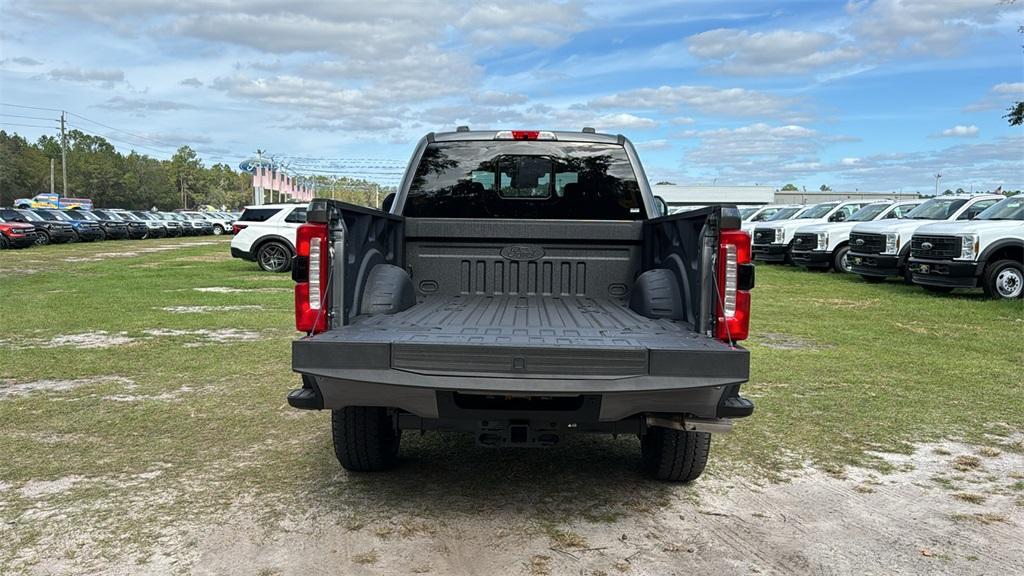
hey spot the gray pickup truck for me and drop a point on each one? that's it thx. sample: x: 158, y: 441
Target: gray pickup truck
x: 521, y: 286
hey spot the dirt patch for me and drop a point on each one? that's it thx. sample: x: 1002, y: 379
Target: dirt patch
x: 11, y: 388
x: 778, y: 341
x: 83, y: 340
x: 209, y: 309
x: 229, y: 290
x: 206, y: 336
x: 844, y: 304
x: 164, y: 396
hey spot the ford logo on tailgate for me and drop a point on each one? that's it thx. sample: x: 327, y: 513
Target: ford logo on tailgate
x: 522, y: 252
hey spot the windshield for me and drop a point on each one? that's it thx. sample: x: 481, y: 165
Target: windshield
x: 57, y: 214
x: 107, y: 215
x: 143, y: 216
x: 868, y: 212
x: 937, y: 209
x: 525, y: 179
x: 1010, y: 209
x: 127, y: 216
x: 747, y: 213
x: 26, y: 214
x: 783, y: 214
x: 818, y: 210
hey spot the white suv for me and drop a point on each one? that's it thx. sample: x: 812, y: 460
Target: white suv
x: 827, y: 245
x: 880, y: 249
x: 987, y: 251
x: 266, y: 235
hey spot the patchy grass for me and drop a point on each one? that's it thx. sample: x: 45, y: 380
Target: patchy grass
x: 162, y: 417
x: 981, y: 518
x: 971, y: 497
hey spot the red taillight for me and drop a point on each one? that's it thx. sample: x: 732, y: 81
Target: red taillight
x: 733, y: 303
x: 236, y: 228
x: 312, y: 251
x: 525, y: 134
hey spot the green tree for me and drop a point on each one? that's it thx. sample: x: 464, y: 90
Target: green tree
x: 825, y: 188
x: 790, y: 188
x: 186, y: 170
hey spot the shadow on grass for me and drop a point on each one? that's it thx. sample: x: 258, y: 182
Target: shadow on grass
x: 586, y: 478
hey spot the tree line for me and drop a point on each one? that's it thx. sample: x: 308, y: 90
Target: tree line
x: 96, y: 170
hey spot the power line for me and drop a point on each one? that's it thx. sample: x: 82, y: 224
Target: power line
x: 29, y: 117
x: 140, y: 137
x: 30, y: 107
x: 108, y: 137
x: 27, y: 125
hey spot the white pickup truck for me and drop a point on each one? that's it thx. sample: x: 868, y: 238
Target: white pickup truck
x: 772, y: 240
x: 880, y: 249
x: 987, y: 251
x: 828, y: 245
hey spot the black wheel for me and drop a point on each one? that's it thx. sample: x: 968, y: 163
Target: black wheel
x: 365, y: 438
x: 274, y: 257
x: 873, y: 279
x: 675, y: 455
x: 789, y: 258
x: 1004, y: 279
x: 42, y: 238
x: 4, y: 244
x: 218, y: 230
x: 937, y: 289
x: 841, y: 259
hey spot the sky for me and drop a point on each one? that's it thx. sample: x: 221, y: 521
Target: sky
x: 876, y: 95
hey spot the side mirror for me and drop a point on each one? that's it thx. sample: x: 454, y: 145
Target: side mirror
x: 20, y: 219
x: 838, y: 217
x: 661, y: 206
x: 388, y: 202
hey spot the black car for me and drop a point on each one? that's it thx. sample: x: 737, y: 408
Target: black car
x: 85, y: 230
x: 113, y: 229
x: 47, y: 230
x: 137, y: 230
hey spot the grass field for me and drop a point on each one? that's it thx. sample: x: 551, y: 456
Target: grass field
x: 142, y: 390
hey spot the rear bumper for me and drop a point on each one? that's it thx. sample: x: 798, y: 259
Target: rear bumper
x: 811, y: 259
x: 770, y: 252
x: 352, y: 374
x: 948, y: 273
x: 875, y: 264
x: 243, y: 254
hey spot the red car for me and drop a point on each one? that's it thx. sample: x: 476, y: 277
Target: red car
x: 16, y: 234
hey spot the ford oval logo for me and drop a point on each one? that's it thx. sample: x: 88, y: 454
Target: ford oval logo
x: 522, y: 253
x: 799, y: 240
x: 859, y: 242
x: 927, y: 245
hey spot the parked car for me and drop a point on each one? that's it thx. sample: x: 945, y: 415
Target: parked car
x: 171, y: 228
x: 54, y: 202
x: 16, y: 234
x: 85, y: 230
x: 986, y: 252
x: 193, y: 226
x: 827, y: 246
x: 879, y: 250
x: 153, y: 229
x: 482, y: 304
x: 175, y: 227
x: 113, y: 229
x: 773, y: 239
x: 219, y: 224
x: 137, y: 229
x: 266, y: 235
x: 773, y: 213
x: 46, y: 230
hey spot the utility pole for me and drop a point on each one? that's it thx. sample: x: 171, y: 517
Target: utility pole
x: 63, y: 154
x: 52, y: 162
x: 937, y: 176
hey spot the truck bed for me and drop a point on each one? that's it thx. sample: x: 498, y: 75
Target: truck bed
x: 523, y: 337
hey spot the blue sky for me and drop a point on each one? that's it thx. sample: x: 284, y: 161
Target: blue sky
x: 868, y: 95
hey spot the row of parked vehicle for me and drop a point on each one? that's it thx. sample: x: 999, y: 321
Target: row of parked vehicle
x: 23, y: 227
x: 940, y: 244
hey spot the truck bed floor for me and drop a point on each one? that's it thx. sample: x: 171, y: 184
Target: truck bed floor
x: 523, y: 321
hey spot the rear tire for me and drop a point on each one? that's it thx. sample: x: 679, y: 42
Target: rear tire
x: 937, y: 289
x: 1004, y: 279
x: 274, y: 257
x: 365, y: 438
x: 872, y: 279
x: 675, y: 455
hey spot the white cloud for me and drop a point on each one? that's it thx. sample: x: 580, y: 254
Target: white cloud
x: 658, y: 144
x: 544, y: 24
x: 960, y: 131
x: 757, y: 152
x: 192, y: 82
x: 682, y: 121
x: 741, y: 52
x: 494, y: 98
x: 1009, y: 88
x: 732, y: 102
x: 107, y: 77
x: 850, y: 161
x: 139, y: 105
x: 623, y: 120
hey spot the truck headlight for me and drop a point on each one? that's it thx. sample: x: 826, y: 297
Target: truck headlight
x: 892, y: 243
x: 968, y: 247
x: 780, y: 236
x: 822, y: 241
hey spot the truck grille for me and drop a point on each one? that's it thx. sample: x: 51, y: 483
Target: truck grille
x: 867, y: 243
x: 940, y: 247
x: 764, y: 236
x: 805, y: 241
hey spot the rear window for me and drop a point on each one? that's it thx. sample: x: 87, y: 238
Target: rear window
x: 258, y: 214
x: 530, y: 180
x: 297, y: 216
